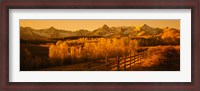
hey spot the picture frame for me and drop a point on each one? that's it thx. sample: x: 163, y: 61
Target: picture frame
x: 113, y: 4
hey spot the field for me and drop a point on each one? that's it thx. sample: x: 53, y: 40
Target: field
x: 87, y: 53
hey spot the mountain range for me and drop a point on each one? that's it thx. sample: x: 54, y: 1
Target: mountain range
x: 28, y: 33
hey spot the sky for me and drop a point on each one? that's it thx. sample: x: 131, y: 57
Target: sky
x: 74, y: 25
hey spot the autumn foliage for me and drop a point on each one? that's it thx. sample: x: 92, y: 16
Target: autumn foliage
x: 84, y: 49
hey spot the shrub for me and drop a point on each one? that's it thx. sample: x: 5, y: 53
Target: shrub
x: 170, y: 52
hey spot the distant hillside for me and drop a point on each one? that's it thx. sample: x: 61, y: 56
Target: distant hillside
x: 28, y: 33
x: 171, y: 32
x: 82, y: 32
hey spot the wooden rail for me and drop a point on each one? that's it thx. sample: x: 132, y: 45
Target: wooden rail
x: 120, y: 63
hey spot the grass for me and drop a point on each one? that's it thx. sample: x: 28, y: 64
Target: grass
x: 39, y: 56
x: 157, y: 60
x: 73, y: 67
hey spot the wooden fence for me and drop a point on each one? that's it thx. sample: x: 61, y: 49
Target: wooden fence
x: 120, y: 63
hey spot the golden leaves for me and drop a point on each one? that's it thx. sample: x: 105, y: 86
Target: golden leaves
x: 93, y: 49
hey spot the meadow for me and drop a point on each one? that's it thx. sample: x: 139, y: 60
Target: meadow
x: 75, y: 54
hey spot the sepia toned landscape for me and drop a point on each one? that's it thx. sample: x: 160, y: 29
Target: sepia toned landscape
x: 99, y: 45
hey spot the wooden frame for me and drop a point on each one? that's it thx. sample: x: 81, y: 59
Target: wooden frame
x: 155, y: 86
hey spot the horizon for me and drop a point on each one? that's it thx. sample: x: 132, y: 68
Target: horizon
x: 90, y: 30
x: 90, y: 25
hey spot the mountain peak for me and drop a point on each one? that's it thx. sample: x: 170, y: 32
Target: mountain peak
x: 145, y: 25
x: 105, y: 26
x: 52, y: 27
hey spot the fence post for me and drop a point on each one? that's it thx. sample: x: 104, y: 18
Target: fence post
x: 89, y: 65
x: 118, y: 63
x: 130, y: 60
x: 138, y: 56
x: 141, y: 57
x: 145, y: 53
x: 142, y: 54
x: 124, y: 62
x: 106, y: 59
x: 134, y: 59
